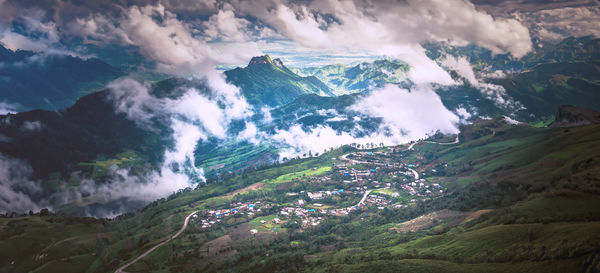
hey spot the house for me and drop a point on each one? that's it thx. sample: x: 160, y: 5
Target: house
x: 316, y: 195
x: 253, y: 231
x: 276, y: 220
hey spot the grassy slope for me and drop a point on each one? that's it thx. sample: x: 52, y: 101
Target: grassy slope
x: 552, y: 228
x: 268, y: 84
x: 552, y: 231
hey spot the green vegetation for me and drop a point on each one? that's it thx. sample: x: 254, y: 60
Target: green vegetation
x: 359, y: 78
x: 269, y: 82
x: 507, y: 198
x: 291, y: 176
x: 520, y: 199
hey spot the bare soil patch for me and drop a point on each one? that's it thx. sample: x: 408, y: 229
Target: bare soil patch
x: 253, y: 187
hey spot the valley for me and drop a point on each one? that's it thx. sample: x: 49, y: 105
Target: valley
x: 299, y: 136
x: 351, y: 200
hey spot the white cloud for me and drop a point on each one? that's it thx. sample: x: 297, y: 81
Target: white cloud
x: 15, y: 41
x: 37, y: 35
x: 32, y: 126
x: 511, y: 121
x: 225, y: 26
x: 162, y: 37
x: 393, y: 29
x: 186, y: 137
x: 493, y: 92
x: 559, y: 23
x: 251, y: 134
x: 134, y: 100
x: 7, y: 108
x: 336, y: 119
x: 463, y: 114
x: 201, y: 110
x: 462, y: 66
x: 17, y: 186
x: 315, y: 141
x: 407, y: 115
x: 122, y: 191
x: 266, y: 115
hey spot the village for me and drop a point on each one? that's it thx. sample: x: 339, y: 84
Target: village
x: 377, y: 180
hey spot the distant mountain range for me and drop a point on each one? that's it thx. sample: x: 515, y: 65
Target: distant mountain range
x: 49, y: 81
x: 359, y: 78
x: 568, y: 50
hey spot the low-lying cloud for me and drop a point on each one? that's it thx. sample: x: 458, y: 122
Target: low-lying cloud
x: 406, y: 115
x: 493, y: 92
x: 17, y: 186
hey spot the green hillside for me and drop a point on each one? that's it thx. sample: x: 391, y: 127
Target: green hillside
x: 515, y: 198
x: 544, y: 87
x: 266, y: 82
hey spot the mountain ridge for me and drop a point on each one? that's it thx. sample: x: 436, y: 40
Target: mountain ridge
x: 265, y: 82
x: 48, y: 81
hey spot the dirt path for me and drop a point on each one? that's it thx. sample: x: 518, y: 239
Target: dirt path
x: 185, y: 224
x: 361, y: 200
x: 415, y: 173
x: 433, y: 142
x: 254, y: 187
x: 352, y: 161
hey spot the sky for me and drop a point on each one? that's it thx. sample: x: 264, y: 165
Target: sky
x: 192, y: 38
x: 301, y: 33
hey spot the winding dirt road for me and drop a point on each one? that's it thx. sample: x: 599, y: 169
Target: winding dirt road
x: 185, y: 224
x: 433, y: 142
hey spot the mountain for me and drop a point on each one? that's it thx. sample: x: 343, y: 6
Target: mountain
x: 545, y: 87
x: 571, y: 116
x: 87, y: 140
x: 266, y: 82
x: 360, y: 78
x: 582, y: 49
x: 506, y: 198
x: 46, y: 81
x: 56, y: 144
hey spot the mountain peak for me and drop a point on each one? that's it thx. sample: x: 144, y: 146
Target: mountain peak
x: 277, y: 62
x: 261, y: 60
